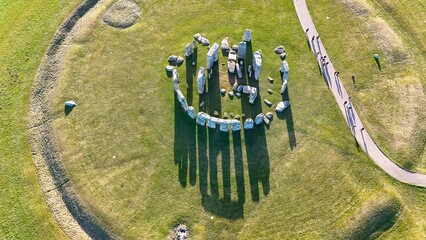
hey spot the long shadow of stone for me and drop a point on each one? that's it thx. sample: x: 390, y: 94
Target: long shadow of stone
x: 287, y: 114
x: 184, y: 145
x: 239, y: 166
x: 255, y: 139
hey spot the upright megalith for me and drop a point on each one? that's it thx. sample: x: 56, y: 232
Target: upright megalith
x: 212, y: 55
x: 201, y: 80
x: 257, y: 64
x: 247, y: 35
x: 188, y: 50
x: 242, y: 48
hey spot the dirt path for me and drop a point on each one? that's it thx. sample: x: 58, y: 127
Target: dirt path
x: 55, y: 185
x: 345, y: 105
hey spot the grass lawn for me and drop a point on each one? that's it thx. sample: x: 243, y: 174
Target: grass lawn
x: 391, y: 102
x: 26, y: 28
x: 142, y: 166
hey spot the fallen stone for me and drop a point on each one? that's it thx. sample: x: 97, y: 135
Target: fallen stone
x: 216, y: 113
x: 223, y: 91
x: 235, y: 48
x: 231, y: 115
x: 269, y: 115
x: 267, y: 102
x: 270, y: 91
x: 271, y: 80
x: 231, y: 94
x: 280, y: 49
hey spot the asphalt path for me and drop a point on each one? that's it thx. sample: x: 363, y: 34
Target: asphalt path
x: 345, y: 104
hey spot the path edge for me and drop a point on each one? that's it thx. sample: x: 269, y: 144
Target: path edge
x: 67, y: 209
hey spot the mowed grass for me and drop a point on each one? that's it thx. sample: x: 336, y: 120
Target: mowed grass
x: 391, y: 102
x: 26, y: 28
x: 141, y: 166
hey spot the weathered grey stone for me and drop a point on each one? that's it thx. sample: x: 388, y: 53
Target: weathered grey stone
x: 191, y: 112
x: 269, y: 115
x: 231, y: 94
x: 282, y: 106
x: 257, y: 64
x: 188, y: 50
x: 280, y: 49
x: 172, y: 59
x: 225, y: 45
x: 215, y: 113
x: 201, y: 80
x: 242, y: 48
x: 271, y: 80
x: 225, y: 115
x: 259, y: 118
x: 284, y: 86
x: 179, y: 61
x: 247, y: 35
x: 223, y: 91
x: 253, y: 95
x: 283, y: 56
x: 235, y: 48
x: 270, y: 91
x: 249, y: 123
x: 231, y: 115
x: 212, y: 55
x: 267, y: 102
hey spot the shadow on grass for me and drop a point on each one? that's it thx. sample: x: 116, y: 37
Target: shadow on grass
x: 184, y: 151
x: 287, y: 114
x: 214, y: 149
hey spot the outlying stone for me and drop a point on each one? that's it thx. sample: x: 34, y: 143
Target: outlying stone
x: 269, y: 115
x: 280, y: 49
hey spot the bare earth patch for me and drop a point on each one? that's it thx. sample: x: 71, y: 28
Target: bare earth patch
x: 122, y: 14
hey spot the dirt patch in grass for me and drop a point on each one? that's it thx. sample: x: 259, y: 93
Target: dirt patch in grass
x: 55, y: 185
x: 122, y: 14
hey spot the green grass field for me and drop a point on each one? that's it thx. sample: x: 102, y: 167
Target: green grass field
x: 26, y: 28
x: 304, y: 177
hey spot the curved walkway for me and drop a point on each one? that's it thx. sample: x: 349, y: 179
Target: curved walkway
x: 345, y: 105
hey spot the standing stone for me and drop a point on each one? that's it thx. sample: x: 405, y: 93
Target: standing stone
x: 225, y: 45
x: 201, y: 80
x: 242, y: 48
x: 257, y: 64
x: 188, y: 50
x: 247, y: 35
x: 212, y: 55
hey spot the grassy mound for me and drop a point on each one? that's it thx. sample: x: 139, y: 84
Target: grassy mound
x: 122, y: 14
x: 374, y: 218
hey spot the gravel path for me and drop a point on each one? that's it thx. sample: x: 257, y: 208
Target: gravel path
x: 344, y: 102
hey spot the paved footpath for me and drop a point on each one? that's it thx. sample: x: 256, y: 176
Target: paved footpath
x: 345, y: 105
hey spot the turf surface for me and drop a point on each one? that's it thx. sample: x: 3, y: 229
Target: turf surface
x: 140, y: 163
